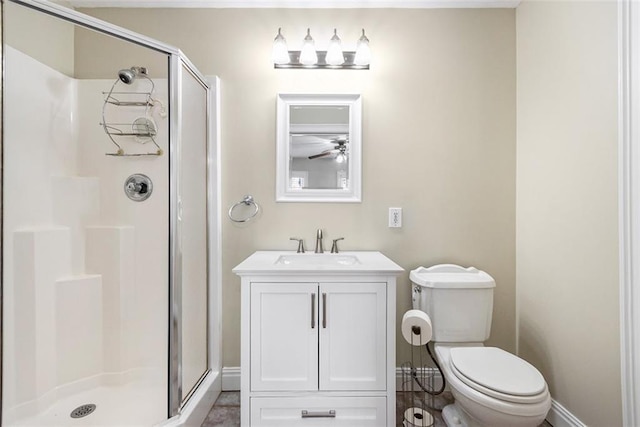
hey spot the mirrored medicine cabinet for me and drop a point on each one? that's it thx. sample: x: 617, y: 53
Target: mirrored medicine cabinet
x: 319, y: 148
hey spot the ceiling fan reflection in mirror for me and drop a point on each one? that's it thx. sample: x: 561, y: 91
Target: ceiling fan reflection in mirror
x: 339, y: 149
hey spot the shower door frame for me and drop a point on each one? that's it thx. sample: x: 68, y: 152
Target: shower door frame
x: 177, y: 399
x: 629, y: 207
x: 176, y: 60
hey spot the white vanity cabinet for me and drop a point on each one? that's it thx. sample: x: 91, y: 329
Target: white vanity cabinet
x: 333, y: 334
x: 318, y: 343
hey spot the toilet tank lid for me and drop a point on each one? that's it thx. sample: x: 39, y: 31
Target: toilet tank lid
x: 451, y: 276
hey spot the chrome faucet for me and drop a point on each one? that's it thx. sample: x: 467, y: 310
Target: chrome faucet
x: 300, y: 244
x: 319, y: 248
x: 334, y: 247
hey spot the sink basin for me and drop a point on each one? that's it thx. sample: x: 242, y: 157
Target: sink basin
x: 317, y: 259
x: 279, y: 263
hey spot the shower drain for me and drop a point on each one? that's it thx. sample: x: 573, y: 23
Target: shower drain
x: 83, y: 410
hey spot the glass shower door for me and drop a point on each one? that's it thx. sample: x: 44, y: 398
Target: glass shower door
x: 192, y: 232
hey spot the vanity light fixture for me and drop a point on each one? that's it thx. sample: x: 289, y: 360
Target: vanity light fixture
x: 308, y: 55
x: 333, y: 58
x: 334, y: 53
x: 363, y: 53
x: 280, y: 53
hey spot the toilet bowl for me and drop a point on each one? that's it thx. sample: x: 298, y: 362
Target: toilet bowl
x: 491, y: 387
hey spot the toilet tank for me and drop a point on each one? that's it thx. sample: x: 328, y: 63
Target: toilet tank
x: 458, y: 300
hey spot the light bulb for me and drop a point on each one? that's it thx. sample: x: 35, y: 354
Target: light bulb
x: 341, y: 157
x: 334, y: 53
x: 280, y: 53
x: 308, y: 55
x: 363, y: 52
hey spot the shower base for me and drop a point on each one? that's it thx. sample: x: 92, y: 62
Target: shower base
x: 142, y: 402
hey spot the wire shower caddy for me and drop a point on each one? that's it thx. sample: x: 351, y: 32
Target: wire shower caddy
x: 143, y: 129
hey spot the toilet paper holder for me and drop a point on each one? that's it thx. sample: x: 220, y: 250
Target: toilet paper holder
x: 418, y: 376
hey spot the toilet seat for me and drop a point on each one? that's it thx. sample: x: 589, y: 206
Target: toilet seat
x: 493, y: 411
x: 499, y: 374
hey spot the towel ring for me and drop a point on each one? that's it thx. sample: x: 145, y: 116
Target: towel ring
x: 248, y: 201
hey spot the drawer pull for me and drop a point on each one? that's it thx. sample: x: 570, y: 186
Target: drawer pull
x: 324, y: 414
x: 313, y: 311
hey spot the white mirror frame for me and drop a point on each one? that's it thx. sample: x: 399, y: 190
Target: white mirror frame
x: 284, y: 193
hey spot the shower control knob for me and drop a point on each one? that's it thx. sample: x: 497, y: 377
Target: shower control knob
x: 138, y: 187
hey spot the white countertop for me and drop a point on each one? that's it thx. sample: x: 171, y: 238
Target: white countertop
x: 289, y: 262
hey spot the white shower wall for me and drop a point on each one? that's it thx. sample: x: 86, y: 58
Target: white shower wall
x: 85, y: 268
x: 148, y: 296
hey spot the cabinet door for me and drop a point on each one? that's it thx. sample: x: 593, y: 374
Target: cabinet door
x: 353, y: 336
x: 284, y: 336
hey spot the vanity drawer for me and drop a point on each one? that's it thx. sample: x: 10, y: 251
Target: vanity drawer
x: 316, y: 411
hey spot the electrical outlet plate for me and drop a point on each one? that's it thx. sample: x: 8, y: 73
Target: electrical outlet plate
x: 395, y: 217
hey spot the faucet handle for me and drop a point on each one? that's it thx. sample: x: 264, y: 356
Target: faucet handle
x: 300, y: 244
x: 334, y: 247
x: 319, y: 247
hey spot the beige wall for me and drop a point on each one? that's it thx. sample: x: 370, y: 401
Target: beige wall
x: 438, y: 136
x: 24, y: 29
x: 99, y: 56
x: 567, y: 235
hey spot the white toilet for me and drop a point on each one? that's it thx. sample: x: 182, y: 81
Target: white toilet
x: 491, y: 387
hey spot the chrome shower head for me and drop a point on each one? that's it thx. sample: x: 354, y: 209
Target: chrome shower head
x: 128, y: 75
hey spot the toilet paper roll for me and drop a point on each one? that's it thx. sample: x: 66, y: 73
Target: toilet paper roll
x: 417, y: 417
x: 416, y: 327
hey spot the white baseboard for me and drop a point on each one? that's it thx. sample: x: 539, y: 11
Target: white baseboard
x: 559, y: 416
x: 231, y: 378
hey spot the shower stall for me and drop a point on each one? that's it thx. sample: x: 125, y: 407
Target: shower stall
x: 110, y: 225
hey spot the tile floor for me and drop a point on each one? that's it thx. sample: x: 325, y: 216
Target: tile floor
x: 226, y: 410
